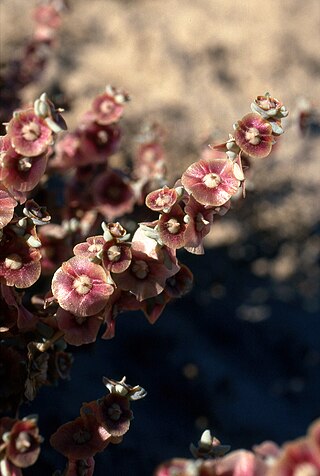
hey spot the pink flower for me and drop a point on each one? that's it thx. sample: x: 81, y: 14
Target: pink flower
x: 178, y: 467
x: 253, y: 135
x: 7, y: 206
x: 19, y: 263
x: 236, y: 463
x: 108, y: 107
x: 161, y: 199
x: 298, y: 457
x: 47, y: 15
x: 29, y: 134
x: 211, y: 182
x: 91, y: 247
x: 269, y: 107
x: 81, y: 287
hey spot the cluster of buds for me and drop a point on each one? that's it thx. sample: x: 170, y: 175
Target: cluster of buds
x: 299, y: 457
x: 100, y: 423
x: 19, y: 444
x: 23, y: 71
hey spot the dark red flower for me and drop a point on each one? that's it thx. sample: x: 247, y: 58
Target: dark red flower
x: 116, y: 256
x: 80, y: 467
x: 113, y: 194
x: 81, y: 438
x: 24, y: 443
x: 172, y: 227
x: 78, y: 330
x: 112, y: 412
x: 20, y: 173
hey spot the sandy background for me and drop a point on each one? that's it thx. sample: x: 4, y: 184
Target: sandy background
x: 251, y: 325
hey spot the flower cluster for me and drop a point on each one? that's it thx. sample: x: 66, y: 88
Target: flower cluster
x: 24, y: 154
x: 111, y: 269
x: 109, y: 273
x: 299, y: 457
x: 101, y: 422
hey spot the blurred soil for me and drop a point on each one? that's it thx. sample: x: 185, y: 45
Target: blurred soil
x: 241, y: 353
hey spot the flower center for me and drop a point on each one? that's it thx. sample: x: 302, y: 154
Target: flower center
x: 200, y: 222
x: 23, y: 442
x: 163, y: 200
x: 31, y: 131
x: 253, y: 136
x: 106, y: 106
x: 82, y: 284
x: 140, y: 269
x: 211, y: 180
x: 13, y: 261
x: 305, y: 469
x: 173, y: 226
x: 80, y: 319
x: 114, y: 411
x: 102, y: 137
x: 95, y: 247
x: 114, y: 253
x: 81, y: 436
x: 24, y: 164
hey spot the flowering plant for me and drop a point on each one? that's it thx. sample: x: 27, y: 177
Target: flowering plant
x: 69, y: 268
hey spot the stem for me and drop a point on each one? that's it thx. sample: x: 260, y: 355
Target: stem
x: 43, y: 347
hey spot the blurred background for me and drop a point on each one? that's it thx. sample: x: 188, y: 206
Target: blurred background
x: 240, y: 354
